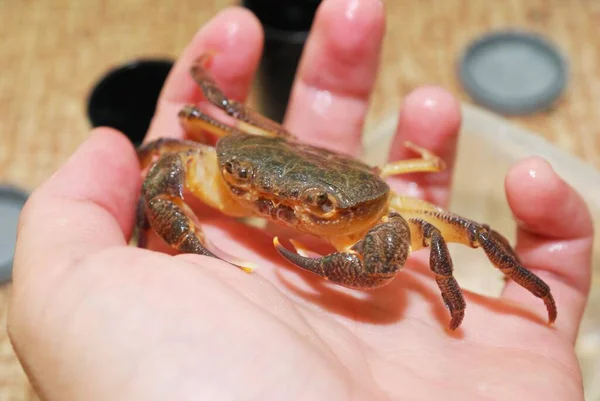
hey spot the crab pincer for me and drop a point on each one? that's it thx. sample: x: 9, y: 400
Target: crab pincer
x: 375, y: 260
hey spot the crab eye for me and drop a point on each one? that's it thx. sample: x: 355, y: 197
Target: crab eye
x: 240, y: 170
x: 244, y: 172
x: 322, y: 201
x: 326, y: 203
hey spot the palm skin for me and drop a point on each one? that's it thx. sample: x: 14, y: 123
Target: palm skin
x: 94, y: 319
x: 148, y: 326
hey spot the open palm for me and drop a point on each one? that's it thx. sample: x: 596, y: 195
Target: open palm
x: 94, y: 319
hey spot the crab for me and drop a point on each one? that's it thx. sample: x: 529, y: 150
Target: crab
x: 257, y: 168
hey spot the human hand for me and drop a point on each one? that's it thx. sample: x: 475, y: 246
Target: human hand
x: 94, y: 319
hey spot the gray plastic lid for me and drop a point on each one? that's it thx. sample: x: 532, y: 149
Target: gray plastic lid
x: 513, y: 72
x: 12, y: 200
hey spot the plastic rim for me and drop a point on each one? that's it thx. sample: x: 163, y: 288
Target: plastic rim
x: 513, y: 72
x: 12, y: 200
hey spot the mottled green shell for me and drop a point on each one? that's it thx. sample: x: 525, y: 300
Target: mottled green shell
x: 286, y: 168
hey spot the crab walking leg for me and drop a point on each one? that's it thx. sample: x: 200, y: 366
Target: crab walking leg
x: 141, y: 226
x: 370, y: 263
x: 159, y: 147
x: 440, y: 264
x: 172, y: 220
x: 410, y: 205
x: 457, y: 229
x: 402, y: 203
x: 162, y: 205
x: 146, y: 153
x: 250, y: 120
x: 196, y: 124
x: 428, y: 162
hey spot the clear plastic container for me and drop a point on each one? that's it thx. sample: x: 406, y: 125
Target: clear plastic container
x: 490, y: 140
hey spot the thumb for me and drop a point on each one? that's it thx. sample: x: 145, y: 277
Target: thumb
x: 87, y: 205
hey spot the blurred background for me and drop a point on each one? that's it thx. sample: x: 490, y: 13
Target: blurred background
x: 54, y: 54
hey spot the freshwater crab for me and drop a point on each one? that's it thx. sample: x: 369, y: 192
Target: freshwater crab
x: 258, y: 168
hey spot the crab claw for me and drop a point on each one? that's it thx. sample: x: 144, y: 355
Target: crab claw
x: 299, y: 258
x: 303, y: 250
x: 372, y: 262
x: 244, y: 265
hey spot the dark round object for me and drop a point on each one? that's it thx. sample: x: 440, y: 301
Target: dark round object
x: 288, y: 15
x: 286, y: 25
x: 12, y: 200
x: 513, y: 72
x: 125, y: 98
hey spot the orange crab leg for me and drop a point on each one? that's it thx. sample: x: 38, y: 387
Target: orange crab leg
x: 424, y: 218
x: 249, y: 120
x: 427, y: 163
x: 149, y: 151
x: 196, y: 123
x: 440, y: 264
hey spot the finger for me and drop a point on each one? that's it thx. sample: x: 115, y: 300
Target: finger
x: 430, y: 117
x: 87, y: 205
x: 554, y: 239
x: 330, y: 95
x: 236, y: 37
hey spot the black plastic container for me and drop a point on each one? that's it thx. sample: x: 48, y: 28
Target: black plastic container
x: 286, y: 24
x: 125, y: 98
